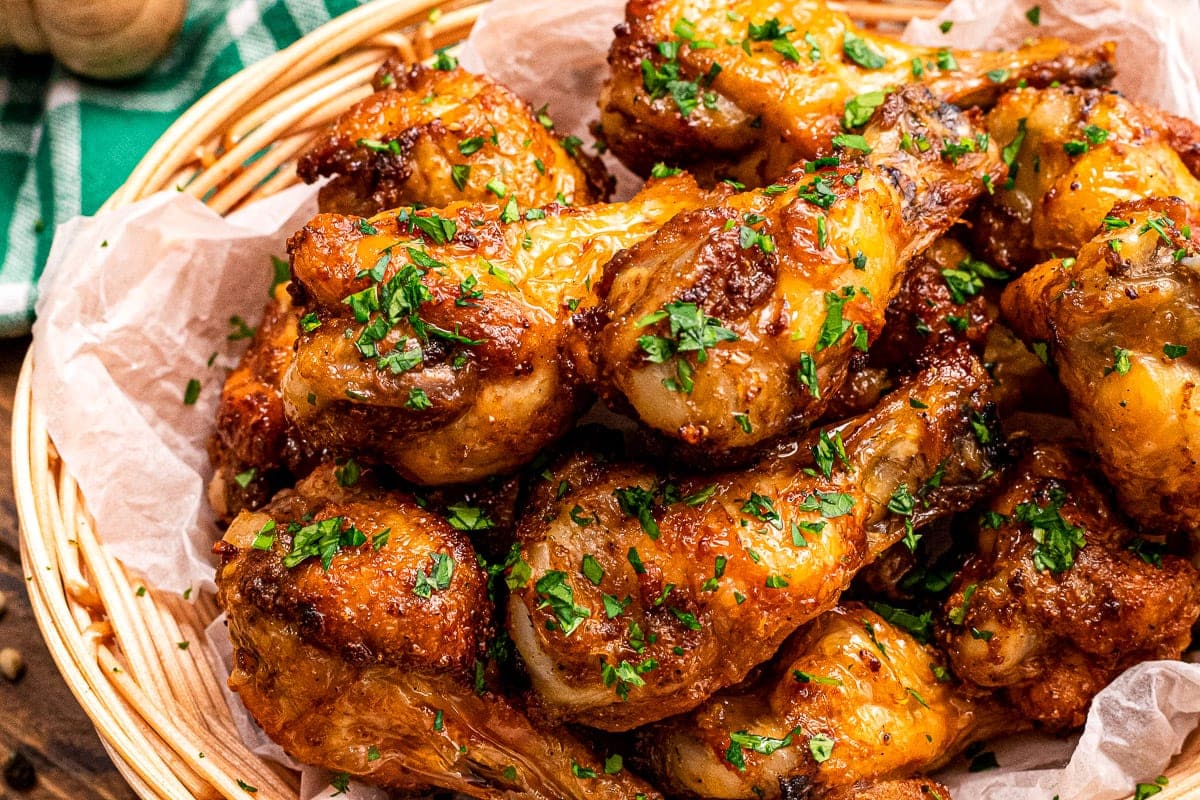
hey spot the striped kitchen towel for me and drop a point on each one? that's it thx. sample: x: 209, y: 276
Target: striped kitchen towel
x: 67, y: 143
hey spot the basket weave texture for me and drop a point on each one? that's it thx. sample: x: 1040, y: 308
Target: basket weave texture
x: 159, y: 708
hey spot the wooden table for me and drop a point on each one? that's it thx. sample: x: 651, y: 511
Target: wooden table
x: 39, y: 715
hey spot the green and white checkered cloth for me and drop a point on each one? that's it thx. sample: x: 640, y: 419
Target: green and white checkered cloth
x: 67, y: 143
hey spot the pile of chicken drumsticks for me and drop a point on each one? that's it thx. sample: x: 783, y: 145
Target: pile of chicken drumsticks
x: 907, y: 344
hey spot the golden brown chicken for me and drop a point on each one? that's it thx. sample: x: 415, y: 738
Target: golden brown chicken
x: 361, y: 627
x: 254, y: 449
x: 396, y: 148
x: 442, y: 135
x: 432, y: 339
x: 849, y: 698
x: 1073, y: 154
x: 1121, y: 325
x: 646, y: 593
x: 735, y: 323
x: 1061, y: 597
x: 744, y: 89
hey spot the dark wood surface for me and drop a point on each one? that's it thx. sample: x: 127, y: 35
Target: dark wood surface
x: 39, y: 716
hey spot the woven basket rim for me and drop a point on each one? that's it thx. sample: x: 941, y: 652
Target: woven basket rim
x: 158, y: 709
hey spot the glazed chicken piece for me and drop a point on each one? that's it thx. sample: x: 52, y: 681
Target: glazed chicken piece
x: 850, y: 698
x: 646, y: 593
x: 1074, y: 153
x: 254, y: 448
x: 432, y: 338
x: 439, y: 136
x: 735, y: 323
x: 393, y: 149
x: 1061, y: 597
x: 371, y: 664
x: 1121, y: 325
x: 745, y: 89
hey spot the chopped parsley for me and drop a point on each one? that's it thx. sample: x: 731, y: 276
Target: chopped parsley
x: 821, y: 747
x: 417, y: 400
x: 919, y: 625
x: 834, y: 324
x: 805, y: 677
x: 468, y: 518
x: 851, y: 141
x: 743, y: 740
x: 829, y: 450
x: 470, y: 146
x: 858, y: 51
x: 1121, y: 362
x: 859, y: 109
x: 558, y: 595
x: 320, y: 539
x: 763, y: 509
x: 690, y: 330
x: 438, y: 578
x: 1057, y: 540
x: 958, y: 615
x: 1008, y: 154
x: 1144, y: 790
x: 830, y: 504
x: 591, y: 569
x: 348, y: 474
x: 191, y: 392
x: 635, y: 501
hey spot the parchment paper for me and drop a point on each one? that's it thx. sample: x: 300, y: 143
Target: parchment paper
x: 134, y: 303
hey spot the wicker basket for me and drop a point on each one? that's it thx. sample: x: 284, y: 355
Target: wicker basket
x: 159, y: 709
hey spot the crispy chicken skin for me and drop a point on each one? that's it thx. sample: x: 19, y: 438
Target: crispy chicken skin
x: 751, y: 115
x: 941, y: 300
x: 1122, y: 325
x: 1075, y: 153
x: 352, y: 669
x: 783, y: 285
x: 403, y: 143
x: 454, y: 375
x: 254, y: 439
x: 254, y: 447
x: 901, y: 789
x: 1049, y: 636
x: 866, y: 689
x: 648, y: 593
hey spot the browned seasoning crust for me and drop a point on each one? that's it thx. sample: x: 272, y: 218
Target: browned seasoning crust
x: 254, y: 444
x: 355, y: 670
x: 1050, y: 638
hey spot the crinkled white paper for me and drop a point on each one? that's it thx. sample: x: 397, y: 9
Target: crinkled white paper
x: 133, y: 305
x: 134, y: 302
